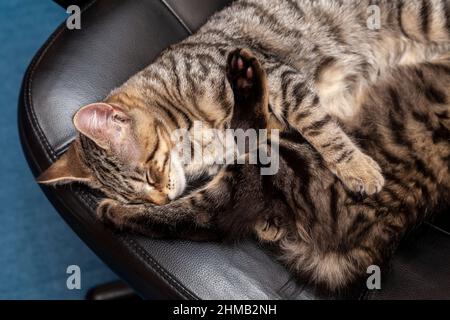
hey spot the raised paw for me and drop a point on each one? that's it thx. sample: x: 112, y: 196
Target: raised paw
x: 245, y: 73
x: 269, y: 230
x: 361, y: 174
x: 249, y: 83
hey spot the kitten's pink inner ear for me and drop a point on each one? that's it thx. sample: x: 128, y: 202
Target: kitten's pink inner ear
x: 100, y: 122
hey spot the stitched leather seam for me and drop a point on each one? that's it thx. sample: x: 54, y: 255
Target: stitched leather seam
x: 51, y: 155
x: 92, y: 204
x: 175, y: 14
x: 438, y: 229
x: 35, y: 63
x: 188, y: 293
x: 30, y: 110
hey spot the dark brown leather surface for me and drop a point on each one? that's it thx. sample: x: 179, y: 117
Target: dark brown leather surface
x: 77, y: 67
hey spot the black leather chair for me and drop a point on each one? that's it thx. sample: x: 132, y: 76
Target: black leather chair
x: 78, y: 67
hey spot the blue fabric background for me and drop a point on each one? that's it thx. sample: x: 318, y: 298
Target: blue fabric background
x: 36, y: 245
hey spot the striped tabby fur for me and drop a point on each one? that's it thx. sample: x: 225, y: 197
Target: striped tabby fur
x: 318, y: 228
x: 329, y: 78
x: 320, y: 57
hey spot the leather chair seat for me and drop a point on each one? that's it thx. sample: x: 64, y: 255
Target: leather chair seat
x: 77, y: 67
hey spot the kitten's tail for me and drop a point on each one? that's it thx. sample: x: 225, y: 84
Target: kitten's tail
x: 332, y: 271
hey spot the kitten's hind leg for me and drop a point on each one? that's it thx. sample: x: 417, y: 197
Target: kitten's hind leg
x: 248, y: 80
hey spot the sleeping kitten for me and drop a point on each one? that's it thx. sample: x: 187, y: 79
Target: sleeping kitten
x: 320, y: 58
x: 317, y: 227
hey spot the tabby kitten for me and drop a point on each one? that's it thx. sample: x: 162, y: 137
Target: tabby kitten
x: 318, y: 228
x: 320, y: 58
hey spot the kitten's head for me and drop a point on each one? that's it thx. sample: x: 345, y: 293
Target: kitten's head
x: 124, y: 152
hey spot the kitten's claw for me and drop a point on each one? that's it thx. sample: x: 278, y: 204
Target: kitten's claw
x: 269, y: 231
x: 361, y: 175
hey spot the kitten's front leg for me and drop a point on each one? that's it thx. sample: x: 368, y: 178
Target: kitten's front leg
x: 138, y: 216
x: 359, y: 172
x: 294, y: 99
x: 194, y: 212
x: 148, y: 220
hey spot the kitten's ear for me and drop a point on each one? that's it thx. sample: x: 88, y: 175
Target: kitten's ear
x: 69, y: 168
x: 102, y: 123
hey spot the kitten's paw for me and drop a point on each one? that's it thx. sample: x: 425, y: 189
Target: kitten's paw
x: 118, y: 214
x: 244, y: 71
x: 361, y: 174
x: 269, y: 231
x: 108, y: 212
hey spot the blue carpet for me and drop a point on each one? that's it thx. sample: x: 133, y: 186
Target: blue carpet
x: 36, y: 246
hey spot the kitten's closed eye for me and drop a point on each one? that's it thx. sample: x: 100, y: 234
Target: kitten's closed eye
x: 121, y: 118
